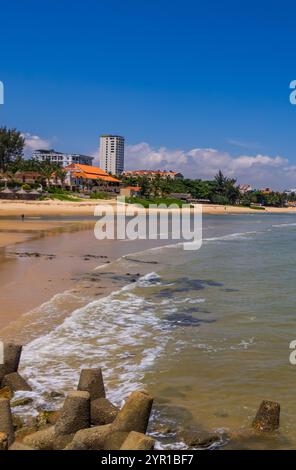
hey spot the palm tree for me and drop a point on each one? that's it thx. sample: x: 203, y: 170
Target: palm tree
x: 61, y: 175
x: 156, y: 185
x: 46, y: 169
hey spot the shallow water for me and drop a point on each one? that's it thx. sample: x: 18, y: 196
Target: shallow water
x: 207, y: 332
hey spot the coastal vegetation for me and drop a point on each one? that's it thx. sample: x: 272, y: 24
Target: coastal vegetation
x: 11, y: 147
x: 51, y: 178
x: 146, y: 202
x: 221, y: 190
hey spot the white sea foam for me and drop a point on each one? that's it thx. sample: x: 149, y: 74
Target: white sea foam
x: 243, y: 344
x: 123, y: 333
x: 231, y: 236
x: 284, y: 225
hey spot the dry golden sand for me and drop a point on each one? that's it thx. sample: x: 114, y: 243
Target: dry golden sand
x: 16, y: 230
x: 86, y: 208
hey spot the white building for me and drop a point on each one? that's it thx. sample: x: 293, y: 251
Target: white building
x: 112, y: 153
x: 290, y: 191
x: 62, y: 159
x: 245, y: 188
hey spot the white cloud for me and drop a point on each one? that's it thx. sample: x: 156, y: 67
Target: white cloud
x: 96, y: 156
x: 244, y: 144
x: 257, y: 170
x: 34, y: 142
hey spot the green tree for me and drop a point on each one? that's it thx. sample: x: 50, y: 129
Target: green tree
x: 145, y: 185
x: 11, y: 147
x: 225, y: 189
x: 46, y: 169
x: 61, y: 174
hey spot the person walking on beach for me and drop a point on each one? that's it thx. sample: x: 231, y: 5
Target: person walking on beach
x: 23, y: 217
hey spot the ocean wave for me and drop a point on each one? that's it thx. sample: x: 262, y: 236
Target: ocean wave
x: 123, y: 333
x: 292, y: 224
x: 232, y: 236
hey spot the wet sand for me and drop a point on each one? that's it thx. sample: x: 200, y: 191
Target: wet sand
x: 52, y: 257
x: 42, y: 256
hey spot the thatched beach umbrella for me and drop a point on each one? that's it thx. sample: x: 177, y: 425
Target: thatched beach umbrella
x: 7, y: 194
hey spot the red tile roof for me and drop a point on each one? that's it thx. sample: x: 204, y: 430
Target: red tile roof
x: 134, y: 188
x: 90, y: 172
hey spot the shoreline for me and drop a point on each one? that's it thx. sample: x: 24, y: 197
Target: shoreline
x: 31, y: 255
x: 86, y: 208
x: 62, y: 267
x: 102, y: 282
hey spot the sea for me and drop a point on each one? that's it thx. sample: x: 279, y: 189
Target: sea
x: 206, y: 332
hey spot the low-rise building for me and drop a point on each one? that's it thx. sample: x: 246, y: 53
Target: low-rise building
x: 130, y: 191
x: 151, y: 174
x: 290, y: 191
x: 181, y: 196
x: 245, y: 188
x: 60, y: 158
x: 90, y: 177
x: 27, y: 177
x: 266, y: 190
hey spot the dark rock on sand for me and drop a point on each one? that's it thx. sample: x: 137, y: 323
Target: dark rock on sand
x: 267, y: 418
x: 102, y: 411
x: 141, y: 261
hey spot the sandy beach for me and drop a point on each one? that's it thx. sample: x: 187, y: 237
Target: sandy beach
x: 42, y: 258
x: 54, y: 247
x: 75, y: 301
x: 50, y: 250
x: 86, y: 208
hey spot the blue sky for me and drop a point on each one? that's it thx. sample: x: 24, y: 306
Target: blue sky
x: 176, y: 78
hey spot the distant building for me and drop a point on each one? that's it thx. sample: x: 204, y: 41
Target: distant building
x: 62, y: 159
x: 182, y: 196
x: 290, y: 191
x: 112, y: 153
x: 245, y: 188
x: 27, y: 177
x: 151, y: 174
x: 85, y: 176
x: 266, y: 190
x: 130, y: 191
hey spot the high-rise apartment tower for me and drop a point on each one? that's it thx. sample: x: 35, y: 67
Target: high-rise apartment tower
x: 112, y: 153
